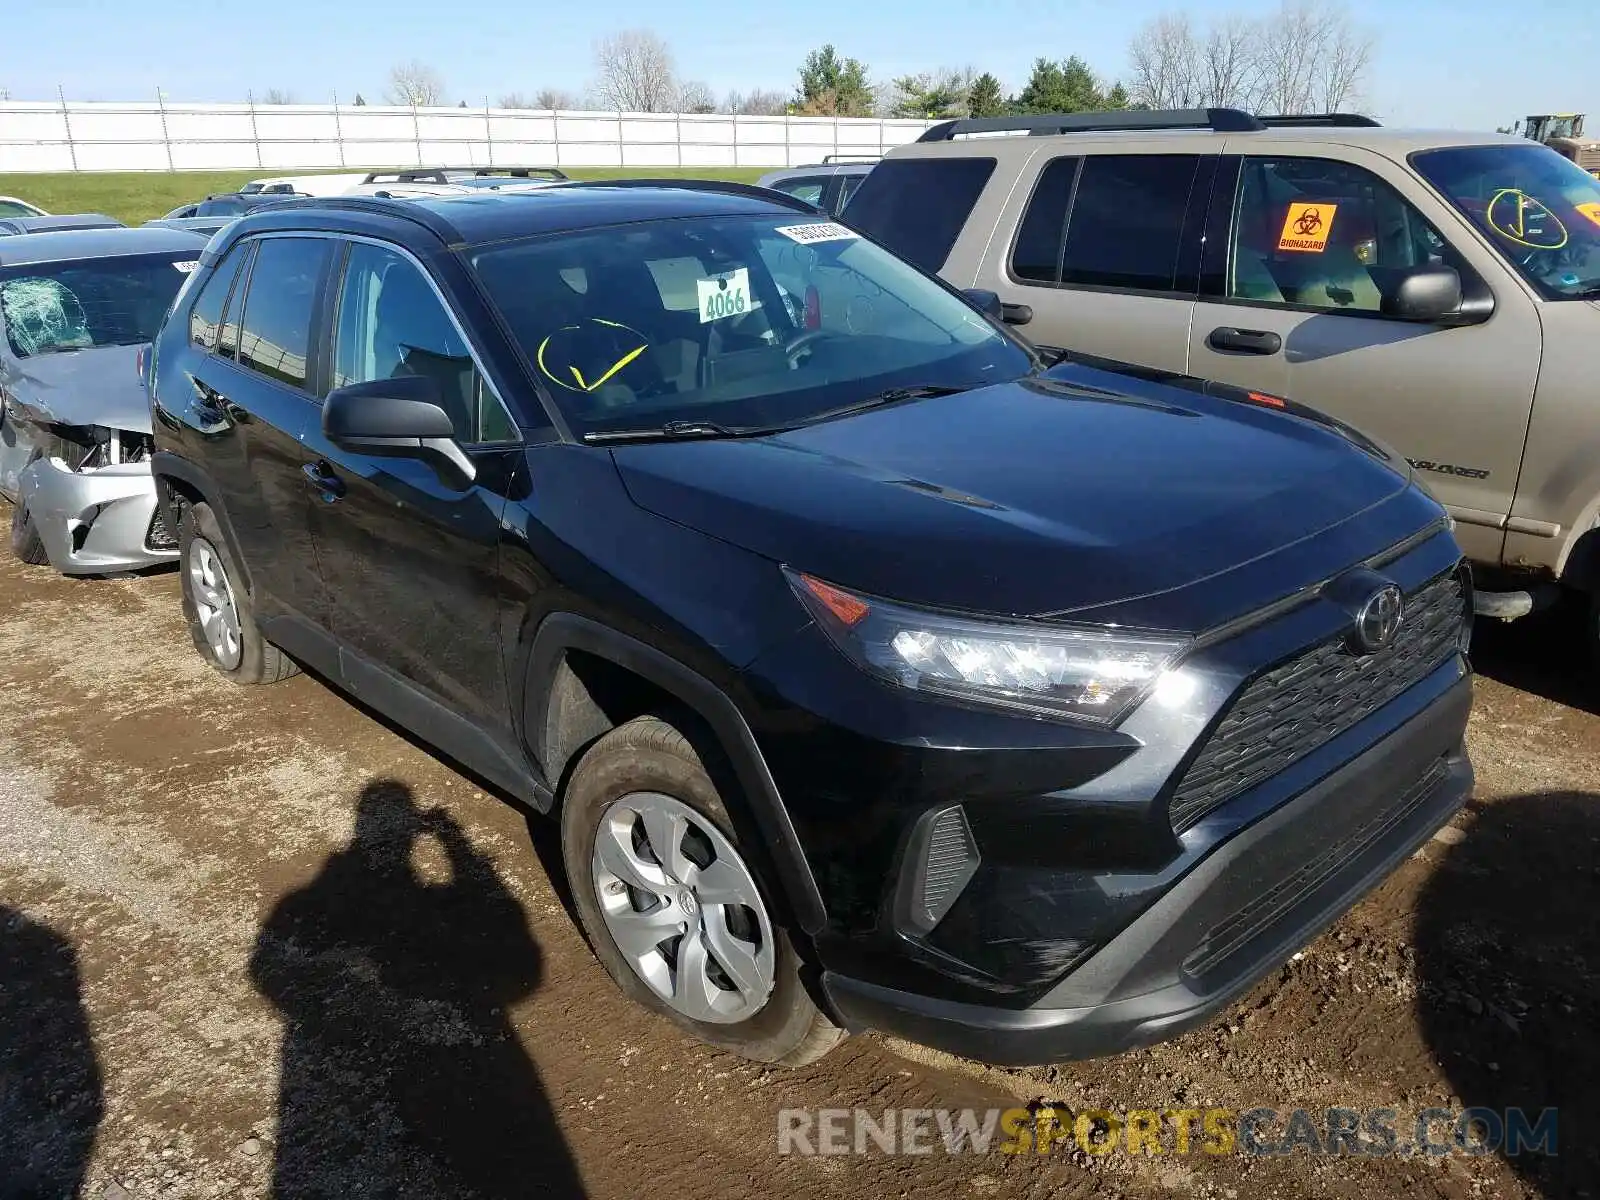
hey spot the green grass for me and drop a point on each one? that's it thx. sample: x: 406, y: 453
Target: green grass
x: 134, y: 197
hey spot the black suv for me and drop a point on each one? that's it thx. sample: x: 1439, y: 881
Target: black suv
x: 880, y: 672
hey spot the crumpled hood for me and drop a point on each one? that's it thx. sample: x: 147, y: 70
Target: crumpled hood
x: 1037, y: 497
x: 81, y: 387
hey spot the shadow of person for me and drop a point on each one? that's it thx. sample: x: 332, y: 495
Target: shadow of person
x: 401, y: 1074
x: 50, y: 1090
x: 1508, y: 952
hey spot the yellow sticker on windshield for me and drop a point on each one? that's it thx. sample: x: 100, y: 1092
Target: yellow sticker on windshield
x: 1590, y: 209
x: 1525, y: 219
x: 1306, y: 227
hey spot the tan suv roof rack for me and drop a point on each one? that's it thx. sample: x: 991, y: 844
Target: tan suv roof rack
x: 1218, y: 120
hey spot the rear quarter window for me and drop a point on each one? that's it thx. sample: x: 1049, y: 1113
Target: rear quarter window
x: 917, y: 206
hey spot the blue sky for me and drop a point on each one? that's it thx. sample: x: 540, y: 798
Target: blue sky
x: 1466, y: 63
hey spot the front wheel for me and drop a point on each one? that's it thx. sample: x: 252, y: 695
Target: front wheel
x: 671, y: 904
x: 221, y: 620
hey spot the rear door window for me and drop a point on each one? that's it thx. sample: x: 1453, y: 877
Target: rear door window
x: 275, y: 336
x: 205, y: 318
x: 1126, y: 225
x: 1036, y: 257
x: 917, y: 206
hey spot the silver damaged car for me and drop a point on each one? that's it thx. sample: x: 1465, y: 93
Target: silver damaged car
x: 76, y: 308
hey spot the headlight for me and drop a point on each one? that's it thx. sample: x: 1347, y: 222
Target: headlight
x: 1078, y: 672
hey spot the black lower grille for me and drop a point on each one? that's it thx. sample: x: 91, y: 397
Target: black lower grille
x: 1289, y: 711
x: 1236, y: 932
x: 159, y: 536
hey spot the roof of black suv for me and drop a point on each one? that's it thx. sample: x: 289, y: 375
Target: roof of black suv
x: 561, y: 207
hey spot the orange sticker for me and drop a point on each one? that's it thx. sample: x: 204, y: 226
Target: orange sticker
x: 1307, y: 227
x: 1591, y: 209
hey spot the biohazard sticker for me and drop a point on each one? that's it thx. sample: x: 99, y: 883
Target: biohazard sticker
x: 1591, y: 209
x: 1307, y: 227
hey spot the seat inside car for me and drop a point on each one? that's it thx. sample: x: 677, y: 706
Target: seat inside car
x: 413, y: 337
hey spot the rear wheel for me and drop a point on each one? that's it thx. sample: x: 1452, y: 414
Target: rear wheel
x: 221, y: 620
x: 672, y: 904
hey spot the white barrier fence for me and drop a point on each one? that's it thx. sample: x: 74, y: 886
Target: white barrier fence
x: 161, y: 136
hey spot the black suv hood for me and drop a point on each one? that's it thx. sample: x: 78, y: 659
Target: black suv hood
x: 1039, y: 497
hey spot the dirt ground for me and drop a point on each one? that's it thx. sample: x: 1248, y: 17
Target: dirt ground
x: 254, y: 942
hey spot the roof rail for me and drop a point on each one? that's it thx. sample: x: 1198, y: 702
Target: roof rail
x: 1319, y: 120
x: 850, y: 158
x: 449, y: 174
x: 751, y: 190
x: 1222, y: 120
x: 406, y: 210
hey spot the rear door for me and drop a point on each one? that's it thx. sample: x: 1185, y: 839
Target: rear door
x: 411, y: 559
x: 1105, y: 252
x: 254, y: 389
x: 1291, y: 304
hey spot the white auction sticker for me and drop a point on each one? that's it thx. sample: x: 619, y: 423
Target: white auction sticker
x: 826, y: 231
x: 725, y: 295
x: 185, y: 266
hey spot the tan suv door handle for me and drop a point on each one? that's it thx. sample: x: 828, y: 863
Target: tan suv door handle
x: 1244, y: 341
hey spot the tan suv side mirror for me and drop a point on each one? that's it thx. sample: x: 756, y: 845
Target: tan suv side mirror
x: 1431, y: 292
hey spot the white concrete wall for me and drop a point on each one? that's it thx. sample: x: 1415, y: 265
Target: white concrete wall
x: 76, y: 136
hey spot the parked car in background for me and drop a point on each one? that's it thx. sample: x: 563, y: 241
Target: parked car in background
x: 828, y: 184
x: 304, y: 185
x: 203, y: 226
x: 49, y: 224
x: 874, y: 668
x: 1436, y: 290
x: 10, y: 206
x: 454, y: 181
x: 76, y: 307
x: 225, y: 204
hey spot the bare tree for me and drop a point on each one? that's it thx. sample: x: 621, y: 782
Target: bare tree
x: 1229, y: 70
x: 634, y: 72
x: 277, y: 96
x: 515, y: 100
x: 695, y: 97
x: 1305, y: 57
x: 554, y: 98
x: 414, y: 83
x: 1312, y: 59
x: 759, y: 103
x: 1166, y: 63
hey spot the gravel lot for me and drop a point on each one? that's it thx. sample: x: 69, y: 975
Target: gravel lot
x: 255, y: 942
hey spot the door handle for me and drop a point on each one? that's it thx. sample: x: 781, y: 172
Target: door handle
x: 322, y: 478
x: 1244, y: 341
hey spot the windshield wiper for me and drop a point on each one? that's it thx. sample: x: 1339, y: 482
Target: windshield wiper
x: 668, y: 432
x: 892, y: 395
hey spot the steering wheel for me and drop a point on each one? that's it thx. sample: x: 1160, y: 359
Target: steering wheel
x: 800, y: 342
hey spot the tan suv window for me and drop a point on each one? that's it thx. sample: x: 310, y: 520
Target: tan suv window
x: 1313, y: 233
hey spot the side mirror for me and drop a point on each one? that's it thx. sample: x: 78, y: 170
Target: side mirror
x: 986, y: 302
x: 1426, y: 293
x: 396, y: 418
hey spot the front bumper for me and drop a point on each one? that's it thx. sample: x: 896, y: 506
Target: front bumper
x: 96, y: 521
x: 1241, y: 911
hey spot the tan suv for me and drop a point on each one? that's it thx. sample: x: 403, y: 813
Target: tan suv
x: 1434, y: 289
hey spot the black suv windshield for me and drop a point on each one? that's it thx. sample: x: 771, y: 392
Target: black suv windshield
x: 744, y: 322
x: 1541, y: 211
x: 51, y: 307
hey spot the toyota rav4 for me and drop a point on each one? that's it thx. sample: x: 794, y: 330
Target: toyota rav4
x: 879, y: 674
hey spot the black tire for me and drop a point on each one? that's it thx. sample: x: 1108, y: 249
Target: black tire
x: 25, y: 541
x: 650, y: 755
x: 259, y: 661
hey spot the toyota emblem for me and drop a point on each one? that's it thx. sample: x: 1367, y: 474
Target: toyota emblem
x: 1377, y: 621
